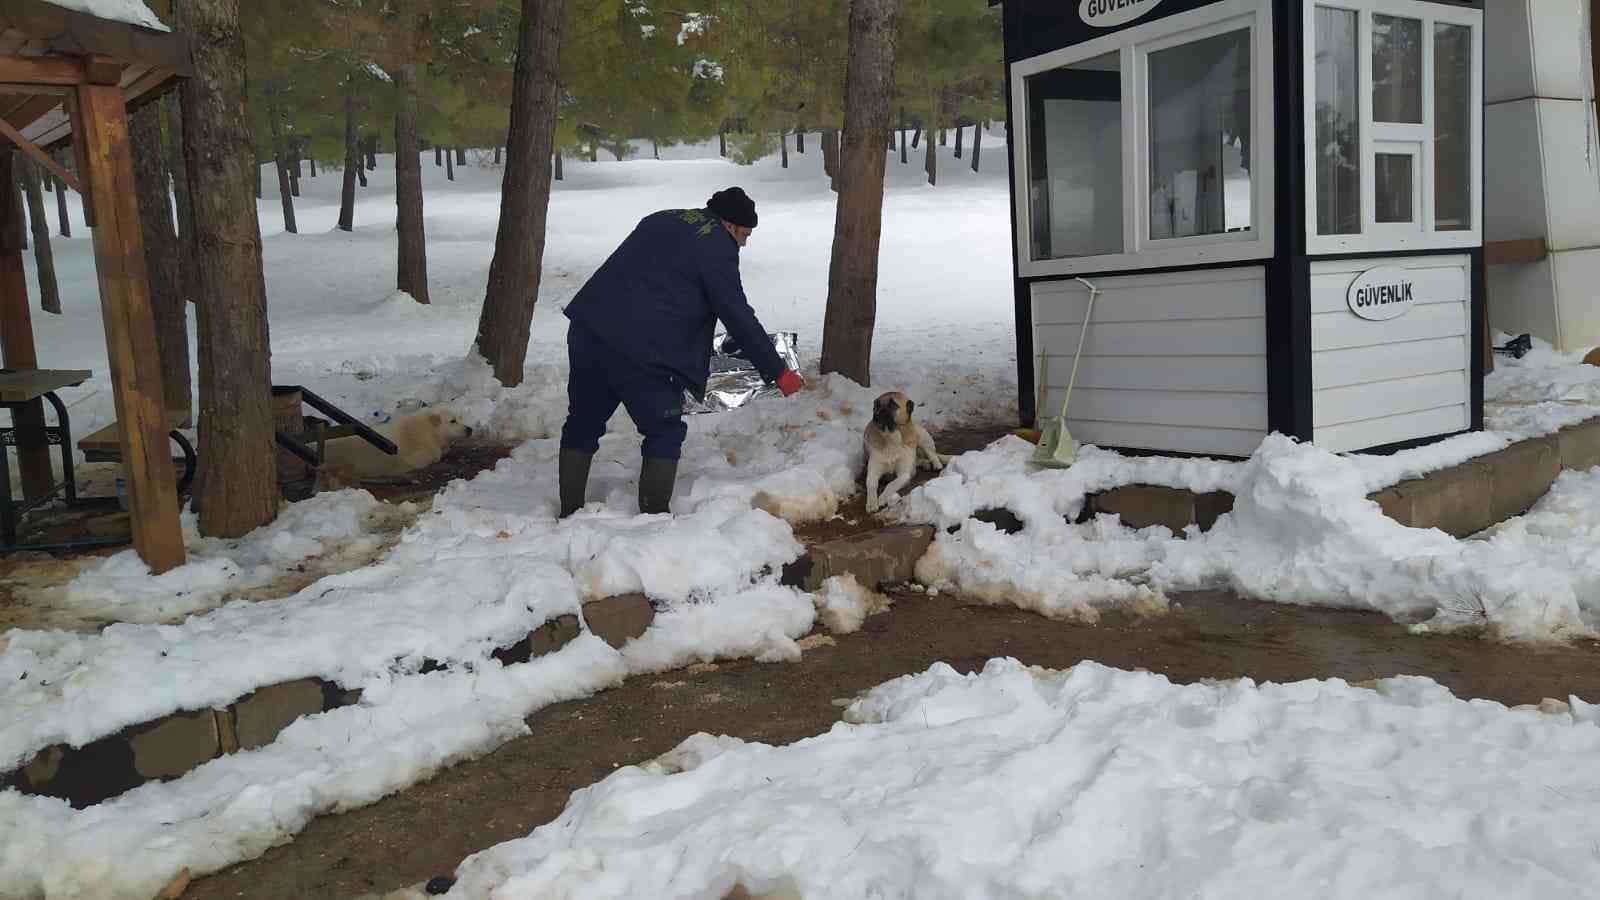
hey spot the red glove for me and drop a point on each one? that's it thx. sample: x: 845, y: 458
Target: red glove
x: 790, y: 382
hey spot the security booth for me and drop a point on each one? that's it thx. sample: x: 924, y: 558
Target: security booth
x: 1278, y: 205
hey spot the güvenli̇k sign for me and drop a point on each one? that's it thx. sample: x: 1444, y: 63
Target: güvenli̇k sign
x: 1382, y: 293
x: 1111, y: 13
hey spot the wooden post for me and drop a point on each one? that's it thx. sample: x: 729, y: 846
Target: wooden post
x: 100, y: 127
x: 16, y: 338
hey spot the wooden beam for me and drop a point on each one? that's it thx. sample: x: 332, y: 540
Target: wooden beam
x: 41, y: 157
x: 1526, y: 250
x: 41, y: 70
x: 85, y: 188
x: 101, y: 129
x: 16, y: 338
x: 102, y: 69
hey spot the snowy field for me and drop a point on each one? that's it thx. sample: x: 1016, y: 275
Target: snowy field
x: 488, y: 562
x: 1094, y: 783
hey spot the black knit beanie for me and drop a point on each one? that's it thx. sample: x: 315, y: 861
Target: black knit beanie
x: 734, y: 206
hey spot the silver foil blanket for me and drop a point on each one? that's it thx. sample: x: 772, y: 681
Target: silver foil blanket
x: 734, y: 380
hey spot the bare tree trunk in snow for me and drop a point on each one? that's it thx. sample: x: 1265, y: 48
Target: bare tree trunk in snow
x: 858, y: 224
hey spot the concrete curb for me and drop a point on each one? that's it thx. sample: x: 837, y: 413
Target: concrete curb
x: 176, y: 744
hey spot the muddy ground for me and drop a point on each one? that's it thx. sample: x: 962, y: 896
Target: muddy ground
x: 427, y: 830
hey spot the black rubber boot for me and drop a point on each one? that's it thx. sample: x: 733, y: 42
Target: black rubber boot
x: 656, y: 479
x: 574, y: 480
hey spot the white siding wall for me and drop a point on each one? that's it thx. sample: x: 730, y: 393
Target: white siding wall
x: 1173, y: 361
x: 1378, y: 383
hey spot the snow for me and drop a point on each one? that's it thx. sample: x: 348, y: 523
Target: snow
x: 705, y: 68
x: 488, y: 562
x: 694, y: 23
x: 1301, y: 531
x: 134, y: 12
x: 1093, y: 782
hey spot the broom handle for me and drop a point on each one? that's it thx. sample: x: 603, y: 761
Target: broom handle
x: 1082, y: 333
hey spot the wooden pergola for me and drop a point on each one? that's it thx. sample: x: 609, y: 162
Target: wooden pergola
x: 67, y: 75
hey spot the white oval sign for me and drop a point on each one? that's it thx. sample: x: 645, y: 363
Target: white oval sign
x: 1111, y: 13
x: 1381, y: 293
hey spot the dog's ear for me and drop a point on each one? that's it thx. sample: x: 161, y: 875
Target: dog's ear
x: 911, y: 407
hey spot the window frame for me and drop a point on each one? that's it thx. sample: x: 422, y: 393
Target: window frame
x: 1383, y: 137
x: 1133, y: 46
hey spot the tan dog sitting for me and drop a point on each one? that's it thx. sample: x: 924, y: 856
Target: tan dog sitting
x: 892, y: 442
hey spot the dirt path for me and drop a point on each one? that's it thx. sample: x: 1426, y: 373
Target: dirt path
x: 428, y: 829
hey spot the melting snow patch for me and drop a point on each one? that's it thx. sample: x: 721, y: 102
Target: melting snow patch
x: 1093, y: 782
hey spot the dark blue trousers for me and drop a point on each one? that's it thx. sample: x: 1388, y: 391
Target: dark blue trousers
x: 600, y: 380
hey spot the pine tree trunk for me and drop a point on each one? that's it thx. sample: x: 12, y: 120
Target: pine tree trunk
x: 959, y: 133
x: 372, y: 153
x: 352, y: 160
x: 461, y: 156
x: 655, y: 149
x: 281, y: 163
x: 944, y: 136
x: 722, y: 144
x: 783, y: 148
x: 830, y: 147
x: 173, y: 115
x: 312, y: 162
x: 294, y: 169
x: 49, y: 290
x: 438, y: 156
x: 413, y: 256
x: 515, y: 271
x: 258, y: 179
x: 902, y: 145
x: 858, y: 224
x: 497, y: 155
x: 163, y: 259
x: 916, y: 136
x: 799, y: 139
x: 560, y: 175
x: 63, y: 220
x: 930, y: 157
x: 237, y: 487
x: 449, y: 166
x: 594, y: 152
x: 977, y: 144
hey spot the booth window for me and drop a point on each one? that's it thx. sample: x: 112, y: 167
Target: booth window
x: 1148, y: 147
x: 1397, y: 121
x: 1395, y: 184
x: 1075, y: 159
x: 1396, y: 69
x: 1452, y: 127
x: 1338, y: 149
x: 1200, y: 137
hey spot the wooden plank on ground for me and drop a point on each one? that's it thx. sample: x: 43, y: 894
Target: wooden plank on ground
x: 101, y: 128
x: 16, y: 338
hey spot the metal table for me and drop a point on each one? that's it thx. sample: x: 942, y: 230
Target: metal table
x: 18, y: 388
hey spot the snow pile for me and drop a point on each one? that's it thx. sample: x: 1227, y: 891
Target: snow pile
x: 342, y: 524
x: 844, y: 604
x: 1093, y: 782
x: 134, y: 12
x: 1541, y: 392
x: 1301, y: 531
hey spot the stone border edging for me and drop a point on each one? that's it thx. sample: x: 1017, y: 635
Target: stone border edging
x: 176, y: 744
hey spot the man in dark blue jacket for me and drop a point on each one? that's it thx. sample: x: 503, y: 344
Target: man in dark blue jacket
x: 641, y: 334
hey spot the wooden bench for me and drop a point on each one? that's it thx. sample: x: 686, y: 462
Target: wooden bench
x: 105, y: 445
